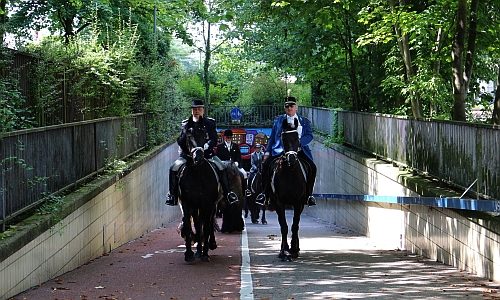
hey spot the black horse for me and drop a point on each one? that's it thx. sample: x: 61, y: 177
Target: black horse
x: 289, y: 188
x: 199, y: 193
x: 255, y: 187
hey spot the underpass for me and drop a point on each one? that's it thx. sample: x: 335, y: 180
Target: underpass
x: 132, y: 209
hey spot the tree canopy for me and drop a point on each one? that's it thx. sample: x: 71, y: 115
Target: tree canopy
x: 410, y: 57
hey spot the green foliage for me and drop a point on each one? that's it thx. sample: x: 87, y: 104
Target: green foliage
x: 191, y: 85
x: 53, y: 205
x: 264, y: 89
x: 338, y: 132
x: 14, y: 115
x: 116, y: 166
x: 99, y: 79
x: 160, y: 95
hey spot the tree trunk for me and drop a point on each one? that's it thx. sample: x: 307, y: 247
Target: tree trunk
x: 471, y: 44
x: 458, y: 112
x: 437, y: 62
x: 317, y: 94
x: 496, y: 104
x: 352, y: 70
x: 404, y: 48
x: 206, y: 65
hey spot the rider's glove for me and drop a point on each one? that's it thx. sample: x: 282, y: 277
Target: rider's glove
x: 205, y: 147
x: 236, y: 163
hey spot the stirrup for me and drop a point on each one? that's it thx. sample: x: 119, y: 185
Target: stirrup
x: 171, y: 200
x: 248, y: 193
x: 261, y: 199
x: 311, y: 201
x: 232, y: 198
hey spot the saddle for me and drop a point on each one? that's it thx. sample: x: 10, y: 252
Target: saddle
x: 275, y: 164
x: 182, y: 168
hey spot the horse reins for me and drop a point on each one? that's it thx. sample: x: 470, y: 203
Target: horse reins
x: 291, y: 152
x: 295, y: 153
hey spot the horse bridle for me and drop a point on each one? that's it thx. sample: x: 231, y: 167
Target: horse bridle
x: 192, y: 142
x: 287, y: 154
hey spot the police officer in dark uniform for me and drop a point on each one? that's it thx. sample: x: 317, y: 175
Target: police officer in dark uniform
x: 208, y: 129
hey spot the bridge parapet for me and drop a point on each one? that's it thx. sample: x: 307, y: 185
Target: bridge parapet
x: 460, y: 154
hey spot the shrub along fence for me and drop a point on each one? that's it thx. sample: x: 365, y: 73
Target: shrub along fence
x: 38, y: 162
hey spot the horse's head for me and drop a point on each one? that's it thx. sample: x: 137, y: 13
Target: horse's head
x: 195, y: 152
x: 291, y: 142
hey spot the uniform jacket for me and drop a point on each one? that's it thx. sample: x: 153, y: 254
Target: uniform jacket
x: 233, y: 154
x: 274, y: 144
x: 256, y: 160
x: 208, y: 130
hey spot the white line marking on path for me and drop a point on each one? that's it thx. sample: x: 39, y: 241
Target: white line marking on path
x: 246, y: 291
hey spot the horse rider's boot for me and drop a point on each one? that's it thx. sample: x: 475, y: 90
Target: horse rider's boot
x: 230, y: 195
x: 244, y: 185
x: 248, y: 193
x: 261, y: 198
x: 311, y: 201
x: 173, y: 188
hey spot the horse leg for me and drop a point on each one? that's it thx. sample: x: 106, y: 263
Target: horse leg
x: 295, y: 249
x: 254, y: 210
x: 188, y: 234
x: 205, y: 234
x: 264, y: 221
x: 212, y: 243
x: 284, y: 255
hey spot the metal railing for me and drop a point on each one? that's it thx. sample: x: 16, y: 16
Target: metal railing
x: 251, y: 115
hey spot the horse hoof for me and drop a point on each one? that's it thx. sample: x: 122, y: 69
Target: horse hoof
x: 205, y: 258
x: 198, y: 254
x: 294, y: 255
x: 285, y: 258
x: 189, y: 258
x: 264, y: 222
x: 255, y: 221
x: 212, y: 246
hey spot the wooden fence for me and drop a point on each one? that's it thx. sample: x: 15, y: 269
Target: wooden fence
x: 38, y: 162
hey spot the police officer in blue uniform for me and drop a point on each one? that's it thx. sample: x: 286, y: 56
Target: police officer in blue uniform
x: 275, y: 148
x: 208, y: 129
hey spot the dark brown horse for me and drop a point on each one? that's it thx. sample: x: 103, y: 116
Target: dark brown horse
x: 289, y: 189
x: 255, y: 187
x: 232, y: 220
x: 198, y: 196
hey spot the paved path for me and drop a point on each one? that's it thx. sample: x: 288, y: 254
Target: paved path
x: 334, y: 263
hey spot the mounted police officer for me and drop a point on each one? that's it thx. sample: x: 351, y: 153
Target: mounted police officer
x: 275, y: 148
x: 207, y: 129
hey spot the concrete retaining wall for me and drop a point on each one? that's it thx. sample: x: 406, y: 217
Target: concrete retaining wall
x: 135, y: 205
x: 467, y: 240
x: 123, y: 212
